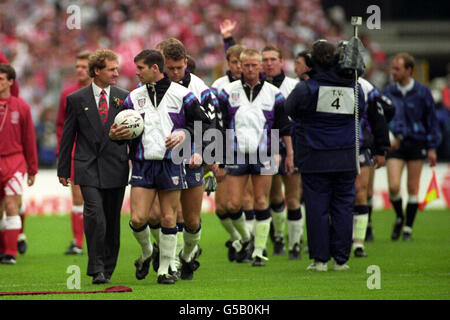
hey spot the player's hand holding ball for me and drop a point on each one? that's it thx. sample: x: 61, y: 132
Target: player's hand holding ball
x: 117, y: 132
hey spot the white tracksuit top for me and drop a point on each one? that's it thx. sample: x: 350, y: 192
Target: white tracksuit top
x: 159, y: 121
x: 249, y: 118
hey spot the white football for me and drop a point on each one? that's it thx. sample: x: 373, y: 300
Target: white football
x: 132, y: 120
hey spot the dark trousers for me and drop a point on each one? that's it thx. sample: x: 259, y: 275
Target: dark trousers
x: 329, y: 200
x: 102, y: 227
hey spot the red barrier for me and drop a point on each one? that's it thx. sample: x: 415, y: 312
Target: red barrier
x: 445, y: 188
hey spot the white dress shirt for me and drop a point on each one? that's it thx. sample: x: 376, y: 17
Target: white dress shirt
x: 97, y: 93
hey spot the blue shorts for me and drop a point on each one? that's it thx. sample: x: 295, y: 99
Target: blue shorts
x: 365, y: 157
x: 194, y: 177
x: 250, y: 166
x: 158, y: 174
x: 409, y: 150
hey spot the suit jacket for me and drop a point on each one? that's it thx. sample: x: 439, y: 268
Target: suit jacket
x: 98, y: 161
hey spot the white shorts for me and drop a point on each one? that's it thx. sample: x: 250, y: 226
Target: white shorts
x: 14, y: 186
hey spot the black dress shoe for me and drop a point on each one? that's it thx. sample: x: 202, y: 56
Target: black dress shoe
x: 100, y: 278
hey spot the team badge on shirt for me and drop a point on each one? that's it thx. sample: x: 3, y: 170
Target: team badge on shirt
x: 235, y: 95
x: 141, y: 102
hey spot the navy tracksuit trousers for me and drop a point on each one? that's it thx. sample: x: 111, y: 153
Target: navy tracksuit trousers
x: 329, y: 199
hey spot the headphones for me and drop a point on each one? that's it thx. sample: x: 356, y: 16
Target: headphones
x: 308, y: 60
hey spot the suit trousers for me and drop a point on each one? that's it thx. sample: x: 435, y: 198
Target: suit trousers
x: 329, y: 199
x: 102, y: 227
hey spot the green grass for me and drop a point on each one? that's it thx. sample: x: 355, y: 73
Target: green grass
x: 409, y: 270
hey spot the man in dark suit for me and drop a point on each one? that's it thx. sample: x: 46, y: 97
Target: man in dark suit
x: 101, y: 165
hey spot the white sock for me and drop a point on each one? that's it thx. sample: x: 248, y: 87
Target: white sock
x: 294, y: 232
x: 395, y: 197
x: 155, y: 233
x: 180, y: 242
x: 413, y: 199
x: 250, y: 225
x: 227, y: 223
x: 279, y: 219
x: 360, y: 222
x: 13, y: 223
x: 167, y: 250
x: 407, y: 229
x: 262, y: 228
x: 143, y: 238
x: 241, y: 227
x: 191, y: 241
x: 77, y: 209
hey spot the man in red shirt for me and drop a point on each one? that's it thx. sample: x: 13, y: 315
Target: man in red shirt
x: 82, y: 74
x: 18, y: 155
x: 22, y: 240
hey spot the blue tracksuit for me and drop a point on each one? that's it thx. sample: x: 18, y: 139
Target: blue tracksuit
x: 324, y: 141
x: 415, y: 115
x: 322, y: 109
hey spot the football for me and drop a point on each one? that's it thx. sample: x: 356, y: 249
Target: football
x: 132, y: 120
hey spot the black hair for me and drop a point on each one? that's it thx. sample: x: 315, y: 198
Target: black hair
x: 8, y: 70
x: 150, y: 58
x: 322, y: 54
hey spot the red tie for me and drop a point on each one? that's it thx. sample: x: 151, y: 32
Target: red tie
x: 103, y: 108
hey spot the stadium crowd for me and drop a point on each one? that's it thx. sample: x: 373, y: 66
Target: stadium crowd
x: 41, y: 47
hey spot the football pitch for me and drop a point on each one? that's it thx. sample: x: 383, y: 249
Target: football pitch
x: 419, y: 269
